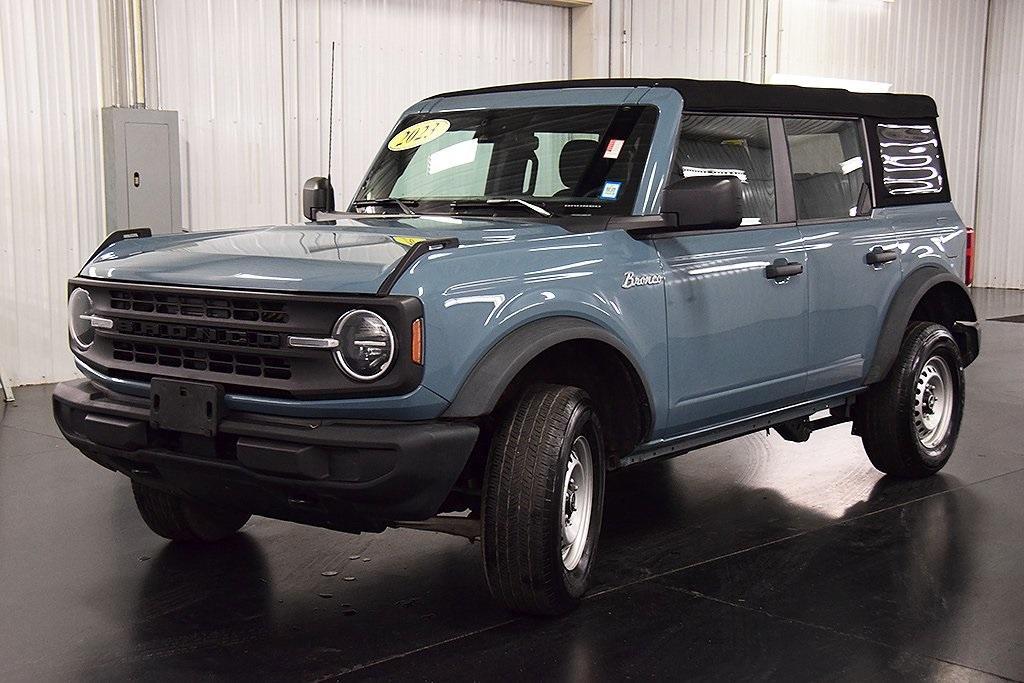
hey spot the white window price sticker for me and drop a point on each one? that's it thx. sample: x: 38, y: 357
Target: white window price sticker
x: 613, y: 149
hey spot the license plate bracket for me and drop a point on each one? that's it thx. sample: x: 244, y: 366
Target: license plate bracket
x: 189, y: 407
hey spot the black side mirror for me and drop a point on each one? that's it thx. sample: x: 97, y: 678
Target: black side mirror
x: 317, y: 197
x: 705, y: 202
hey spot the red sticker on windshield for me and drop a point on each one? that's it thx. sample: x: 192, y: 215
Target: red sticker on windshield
x: 613, y: 149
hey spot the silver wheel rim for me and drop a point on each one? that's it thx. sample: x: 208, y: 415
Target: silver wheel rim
x: 577, y: 502
x: 933, y: 402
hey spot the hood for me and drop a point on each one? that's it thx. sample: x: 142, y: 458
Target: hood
x: 352, y: 257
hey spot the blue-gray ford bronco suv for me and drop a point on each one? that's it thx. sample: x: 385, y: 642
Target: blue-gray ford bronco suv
x: 535, y: 285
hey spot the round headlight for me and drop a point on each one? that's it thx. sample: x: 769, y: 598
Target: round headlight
x: 79, y: 305
x: 366, y: 345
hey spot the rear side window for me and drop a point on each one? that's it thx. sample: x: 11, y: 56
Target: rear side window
x: 827, y: 158
x: 731, y: 145
x: 908, y: 162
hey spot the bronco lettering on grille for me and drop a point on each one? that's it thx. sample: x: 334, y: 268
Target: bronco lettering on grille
x: 197, y: 333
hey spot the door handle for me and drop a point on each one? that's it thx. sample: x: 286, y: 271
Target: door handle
x: 782, y: 269
x: 879, y: 256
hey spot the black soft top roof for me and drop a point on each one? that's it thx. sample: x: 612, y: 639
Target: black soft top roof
x: 737, y: 96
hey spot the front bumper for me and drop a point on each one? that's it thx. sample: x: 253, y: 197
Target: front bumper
x: 356, y: 475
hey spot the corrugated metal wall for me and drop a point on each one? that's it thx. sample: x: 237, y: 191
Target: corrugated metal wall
x: 930, y: 46
x: 1000, y: 255
x: 51, y: 176
x: 250, y: 81
x: 219, y: 65
x: 909, y: 43
x: 693, y: 39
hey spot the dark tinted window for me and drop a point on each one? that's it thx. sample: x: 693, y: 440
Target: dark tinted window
x: 732, y: 145
x: 827, y: 158
x: 910, y: 160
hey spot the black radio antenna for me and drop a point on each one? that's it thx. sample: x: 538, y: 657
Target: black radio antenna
x: 330, y: 124
x: 318, y: 192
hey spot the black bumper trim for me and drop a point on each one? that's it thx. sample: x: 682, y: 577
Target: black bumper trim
x: 347, y: 475
x: 968, y: 337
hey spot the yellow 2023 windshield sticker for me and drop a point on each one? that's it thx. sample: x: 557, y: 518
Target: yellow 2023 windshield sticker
x: 418, y: 134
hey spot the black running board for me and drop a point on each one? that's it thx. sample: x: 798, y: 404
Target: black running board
x: 668, y: 448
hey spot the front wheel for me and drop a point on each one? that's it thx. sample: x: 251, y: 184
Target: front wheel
x: 909, y: 421
x: 543, y: 498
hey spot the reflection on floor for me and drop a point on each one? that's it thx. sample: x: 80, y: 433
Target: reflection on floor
x: 754, y: 558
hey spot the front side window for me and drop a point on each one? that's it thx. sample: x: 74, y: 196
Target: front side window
x: 827, y: 158
x: 564, y: 160
x: 731, y: 145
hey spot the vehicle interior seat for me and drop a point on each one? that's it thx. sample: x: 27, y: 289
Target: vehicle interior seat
x: 824, y: 195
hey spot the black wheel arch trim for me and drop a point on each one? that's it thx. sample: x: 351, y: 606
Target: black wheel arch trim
x: 487, y: 381
x: 914, y: 288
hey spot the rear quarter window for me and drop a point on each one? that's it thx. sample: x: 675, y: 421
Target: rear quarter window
x: 908, y: 164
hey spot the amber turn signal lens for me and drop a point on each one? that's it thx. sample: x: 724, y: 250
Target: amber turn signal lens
x: 417, y: 341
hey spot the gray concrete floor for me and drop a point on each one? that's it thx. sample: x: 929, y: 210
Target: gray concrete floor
x: 756, y: 558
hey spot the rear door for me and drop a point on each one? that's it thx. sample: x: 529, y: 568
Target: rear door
x: 737, y: 338
x: 852, y: 257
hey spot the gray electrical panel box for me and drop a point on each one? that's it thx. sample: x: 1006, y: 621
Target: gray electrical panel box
x: 142, y: 167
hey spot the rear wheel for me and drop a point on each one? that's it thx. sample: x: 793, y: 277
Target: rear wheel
x: 543, y: 498
x: 909, y: 421
x: 179, y: 519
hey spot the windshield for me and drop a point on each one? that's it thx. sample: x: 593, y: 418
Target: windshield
x: 536, y: 161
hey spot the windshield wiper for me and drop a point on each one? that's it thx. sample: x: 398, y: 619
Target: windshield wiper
x: 403, y: 204
x: 490, y: 201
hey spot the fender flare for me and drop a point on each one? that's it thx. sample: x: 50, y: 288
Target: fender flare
x: 902, y: 306
x: 487, y: 381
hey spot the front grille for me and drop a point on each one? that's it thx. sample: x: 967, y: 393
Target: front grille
x: 190, y: 306
x: 203, y: 360
x: 239, y: 339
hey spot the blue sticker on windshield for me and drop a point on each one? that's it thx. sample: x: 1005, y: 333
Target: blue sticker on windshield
x: 611, y: 190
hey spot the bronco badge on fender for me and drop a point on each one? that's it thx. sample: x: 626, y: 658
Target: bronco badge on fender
x: 630, y: 280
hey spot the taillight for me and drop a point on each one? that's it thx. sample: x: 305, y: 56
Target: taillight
x: 969, y: 267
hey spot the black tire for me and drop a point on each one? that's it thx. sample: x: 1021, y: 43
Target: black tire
x: 179, y: 519
x: 523, y: 501
x: 885, y: 416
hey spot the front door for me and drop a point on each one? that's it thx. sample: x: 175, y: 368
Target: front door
x: 737, y: 331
